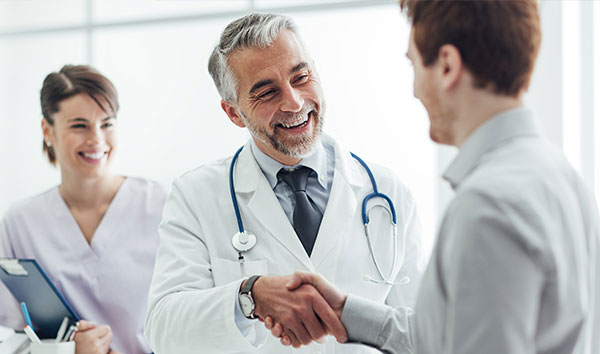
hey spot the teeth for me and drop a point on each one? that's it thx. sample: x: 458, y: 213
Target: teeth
x: 94, y: 156
x: 295, y: 124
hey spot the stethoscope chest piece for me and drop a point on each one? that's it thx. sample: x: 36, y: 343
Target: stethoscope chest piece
x: 243, y: 241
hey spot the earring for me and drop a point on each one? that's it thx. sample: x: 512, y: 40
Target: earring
x: 48, y: 144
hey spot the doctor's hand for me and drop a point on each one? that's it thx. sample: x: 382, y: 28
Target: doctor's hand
x: 92, y: 339
x: 306, y: 316
x: 333, y: 296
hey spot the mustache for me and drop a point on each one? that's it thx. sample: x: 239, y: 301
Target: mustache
x: 291, y: 117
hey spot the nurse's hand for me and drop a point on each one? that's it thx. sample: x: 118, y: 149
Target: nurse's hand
x: 296, y: 310
x: 333, y: 296
x: 92, y: 339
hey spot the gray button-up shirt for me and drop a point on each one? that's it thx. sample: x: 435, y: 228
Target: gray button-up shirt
x: 321, y: 161
x: 515, y: 268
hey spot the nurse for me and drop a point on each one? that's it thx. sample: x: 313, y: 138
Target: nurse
x: 95, y: 234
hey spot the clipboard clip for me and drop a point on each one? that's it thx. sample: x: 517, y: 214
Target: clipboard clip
x: 13, y: 267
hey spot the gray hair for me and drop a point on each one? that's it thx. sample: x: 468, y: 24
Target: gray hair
x: 250, y: 31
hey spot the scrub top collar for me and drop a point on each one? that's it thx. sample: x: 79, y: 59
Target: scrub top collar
x: 516, y: 122
x: 317, y: 161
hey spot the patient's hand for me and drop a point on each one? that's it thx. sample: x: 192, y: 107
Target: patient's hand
x: 92, y: 339
x: 304, y: 313
x: 333, y: 296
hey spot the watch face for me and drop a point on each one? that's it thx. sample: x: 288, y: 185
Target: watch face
x: 247, y: 305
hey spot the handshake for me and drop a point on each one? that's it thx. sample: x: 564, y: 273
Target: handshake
x: 300, y: 308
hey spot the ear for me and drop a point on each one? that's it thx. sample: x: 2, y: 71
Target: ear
x: 48, y: 131
x: 233, y: 113
x: 451, y: 66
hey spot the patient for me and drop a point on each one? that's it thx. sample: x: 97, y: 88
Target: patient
x: 95, y: 234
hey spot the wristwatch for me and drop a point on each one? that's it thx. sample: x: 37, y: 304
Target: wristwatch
x: 245, y: 297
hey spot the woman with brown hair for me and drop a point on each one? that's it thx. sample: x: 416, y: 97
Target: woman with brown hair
x: 95, y: 234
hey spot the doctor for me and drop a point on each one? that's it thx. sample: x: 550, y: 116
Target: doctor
x: 201, y: 298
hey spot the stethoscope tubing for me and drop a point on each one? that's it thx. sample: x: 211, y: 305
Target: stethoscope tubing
x: 236, y: 208
x: 375, y: 193
x: 364, y: 212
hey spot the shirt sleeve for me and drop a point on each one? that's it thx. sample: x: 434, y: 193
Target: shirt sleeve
x: 247, y: 326
x: 5, y: 246
x: 10, y: 314
x: 377, y: 325
x: 492, y: 277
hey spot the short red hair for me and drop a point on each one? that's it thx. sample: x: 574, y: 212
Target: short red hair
x: 498, y: 39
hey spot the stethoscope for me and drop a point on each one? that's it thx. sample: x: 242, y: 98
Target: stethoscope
x: 244, y: 240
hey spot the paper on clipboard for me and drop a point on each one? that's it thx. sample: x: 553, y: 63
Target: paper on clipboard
x: 13, y: 267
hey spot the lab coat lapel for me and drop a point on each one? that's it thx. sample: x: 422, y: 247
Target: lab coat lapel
x: 254, y: 191
x: 341, y: 206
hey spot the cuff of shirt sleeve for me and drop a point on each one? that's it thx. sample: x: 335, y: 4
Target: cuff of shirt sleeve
x: 248, y: 327
x: 242, y: 321
x: 363, y: 320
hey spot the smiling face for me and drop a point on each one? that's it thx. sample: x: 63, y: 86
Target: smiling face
x: 279, y: 98
x: 428, y: 87
x: 83, y: 137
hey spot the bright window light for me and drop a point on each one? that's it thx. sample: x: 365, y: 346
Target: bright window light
x: 571, y: 113
x: 596, y: 100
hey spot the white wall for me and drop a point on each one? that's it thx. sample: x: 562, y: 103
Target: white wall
x: 170, y: 120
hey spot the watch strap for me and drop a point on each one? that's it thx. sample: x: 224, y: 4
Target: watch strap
x: 247, y: 288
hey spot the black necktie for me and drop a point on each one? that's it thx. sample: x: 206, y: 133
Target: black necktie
x: 307, y: 217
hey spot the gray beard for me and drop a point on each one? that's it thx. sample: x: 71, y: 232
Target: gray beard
x: 303, y: 148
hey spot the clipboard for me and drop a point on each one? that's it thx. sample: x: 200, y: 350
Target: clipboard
x: 28, y: 283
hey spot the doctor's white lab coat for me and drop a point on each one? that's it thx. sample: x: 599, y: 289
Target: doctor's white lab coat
x: 197, y: 275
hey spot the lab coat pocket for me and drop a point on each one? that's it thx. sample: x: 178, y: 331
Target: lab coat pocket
x: 225, y: 271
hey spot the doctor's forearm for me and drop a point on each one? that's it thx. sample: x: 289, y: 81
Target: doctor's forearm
x: 177, y: 323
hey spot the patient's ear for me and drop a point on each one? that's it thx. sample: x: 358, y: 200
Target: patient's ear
x: 450, y: 66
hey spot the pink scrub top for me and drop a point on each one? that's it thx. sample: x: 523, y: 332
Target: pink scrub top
x: 106, y: 281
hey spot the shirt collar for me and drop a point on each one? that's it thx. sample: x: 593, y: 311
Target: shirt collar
x: 500, y: 128
x: 317, y: 161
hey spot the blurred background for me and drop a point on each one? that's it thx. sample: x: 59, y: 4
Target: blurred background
x: 156, y: 53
